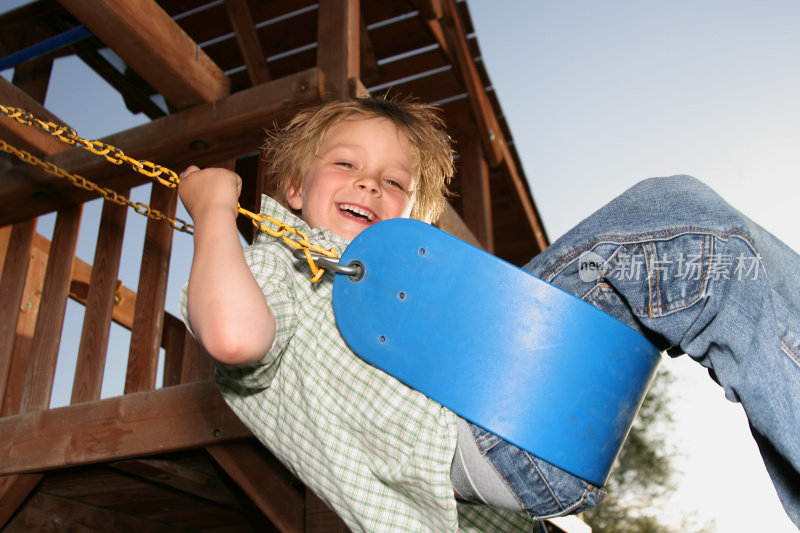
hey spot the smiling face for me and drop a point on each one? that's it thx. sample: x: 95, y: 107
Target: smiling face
x: 361, y: 174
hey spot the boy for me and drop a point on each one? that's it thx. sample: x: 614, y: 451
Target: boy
x: 376, y: 451
x: 384, y: 456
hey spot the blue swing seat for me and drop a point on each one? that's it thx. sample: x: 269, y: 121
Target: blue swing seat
x: 513, y: 354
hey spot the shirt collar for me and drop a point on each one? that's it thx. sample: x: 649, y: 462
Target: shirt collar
x: 320, y: 236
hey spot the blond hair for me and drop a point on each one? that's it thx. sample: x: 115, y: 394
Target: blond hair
x: 289, y: 150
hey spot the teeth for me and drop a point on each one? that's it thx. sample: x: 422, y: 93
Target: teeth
x: 358, y: 211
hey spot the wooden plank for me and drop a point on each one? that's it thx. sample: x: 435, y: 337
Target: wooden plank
x: 249, y: 43
x: 100, y: 301
x: 268, y: 484
x: 13, y: 491
x: 476, y: 198
x: 148, y: 317
x: 12, y: 284
x: 132, y: 425
x: 47, y: 335
x: 25, y: 322
x: 50, y: 513
x: 154, y: 46
x: 211, y: 132
x: 338, y: 35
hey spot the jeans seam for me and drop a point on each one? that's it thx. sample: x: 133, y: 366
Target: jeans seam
x: 607, y: 287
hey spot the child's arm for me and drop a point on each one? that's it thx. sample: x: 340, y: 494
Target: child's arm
x: 227, y: 309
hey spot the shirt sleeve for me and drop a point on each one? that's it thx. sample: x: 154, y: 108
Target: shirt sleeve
x: 272, y: 273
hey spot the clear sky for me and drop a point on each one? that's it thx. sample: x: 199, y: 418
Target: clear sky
x: 600, y: 95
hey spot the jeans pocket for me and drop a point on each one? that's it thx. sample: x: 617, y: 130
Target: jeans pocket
x: 659, y: 276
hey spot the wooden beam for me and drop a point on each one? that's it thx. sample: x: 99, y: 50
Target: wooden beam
x: 13, y: 492
x: 249, y: 43
x: 488, y: 127
x: 203, y: 135
x: 268, y: 484
x: 50, y: 320
x: 25, y: 137
x: 123, y: 427
x: 33, y: 77
x: 338, y: 48
x: 155, y: 46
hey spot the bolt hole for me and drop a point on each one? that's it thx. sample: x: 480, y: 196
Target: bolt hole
x: 381, y: 339
x: 401, y: 295
x: 421, y: 251
x: 198, y: 145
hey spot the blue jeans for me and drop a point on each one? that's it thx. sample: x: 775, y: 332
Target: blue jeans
x: 695, y: 276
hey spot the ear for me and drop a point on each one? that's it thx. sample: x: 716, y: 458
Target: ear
x: 294, y: 197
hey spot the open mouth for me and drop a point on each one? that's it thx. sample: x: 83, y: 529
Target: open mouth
x: 357, y: 212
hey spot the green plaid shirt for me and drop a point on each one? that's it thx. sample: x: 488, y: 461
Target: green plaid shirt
x: 377, y: 452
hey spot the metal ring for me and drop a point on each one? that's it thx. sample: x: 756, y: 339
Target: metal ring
x: 354, y: 270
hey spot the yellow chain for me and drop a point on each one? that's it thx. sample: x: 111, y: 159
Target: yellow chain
x: 112, y: 154
x: 108, y: 194
x: 151, y: 170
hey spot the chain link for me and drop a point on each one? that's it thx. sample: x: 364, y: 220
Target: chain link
x: 116, y: 156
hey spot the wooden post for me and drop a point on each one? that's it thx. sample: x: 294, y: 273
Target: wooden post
x: 100, y: 304
x: 338, y: 38
x: 148, y: 317
x: 12, y: 284
x: 475, y: 191
x: 47, y: 336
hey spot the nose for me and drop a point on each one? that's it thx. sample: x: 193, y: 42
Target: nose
x: 368, y: 184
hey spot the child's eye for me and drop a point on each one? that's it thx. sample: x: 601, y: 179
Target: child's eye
x: 394, y: 183
x: 346, y: 164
